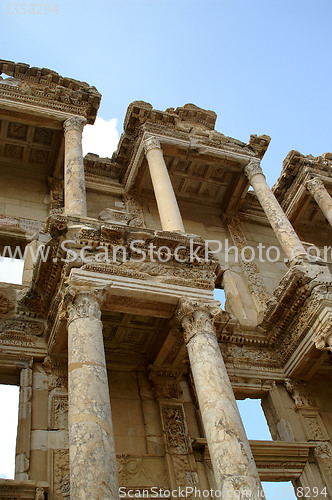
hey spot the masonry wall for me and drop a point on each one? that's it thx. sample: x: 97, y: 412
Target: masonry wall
x: 23, y: 194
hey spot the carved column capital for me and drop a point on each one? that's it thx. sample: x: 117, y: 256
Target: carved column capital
x: 314, y: 184
x: 323, y: 339
x: 83, y: 301
x: 197, y: 317
x: 74, y: 123
x: 151, y: 143
x: 252, y: 169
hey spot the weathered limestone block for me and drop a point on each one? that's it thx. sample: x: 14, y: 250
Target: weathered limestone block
x: 151, y: 415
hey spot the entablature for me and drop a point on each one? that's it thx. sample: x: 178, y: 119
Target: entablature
x: 290, y: 189
x: 38, y: 88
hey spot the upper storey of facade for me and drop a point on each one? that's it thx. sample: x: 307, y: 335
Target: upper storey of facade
x: 175, y: 182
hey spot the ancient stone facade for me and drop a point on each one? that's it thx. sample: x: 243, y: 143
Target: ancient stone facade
x: 128, y: 368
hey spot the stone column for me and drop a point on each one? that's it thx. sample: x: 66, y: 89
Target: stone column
x: 283, y: 229
x: 232, y: 460
x: 168, y: 208
x: 92, y: 458
x: 74, y: 185
x: 320, y: 194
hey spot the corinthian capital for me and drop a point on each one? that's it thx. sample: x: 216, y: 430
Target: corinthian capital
x: 314, y: 184
x: 82, y: 301
x: 253, y: 168
x: 197, y: 317
x: 74, y: 123
x: 323, y: 339
x: 151, y: 143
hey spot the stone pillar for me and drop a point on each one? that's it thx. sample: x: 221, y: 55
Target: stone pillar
x: 74, y: 185
x: 232, y: 460
x: 168, y: 208
x: 283, y: 229
x: 320, y: 194
x: 23, y: 442
x: 92, y: 458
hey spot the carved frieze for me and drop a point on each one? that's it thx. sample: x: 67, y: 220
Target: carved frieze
x: 165, y: 382
x: 299, y: 392
x: 57, y: 372
x: 61, y: 480
x: 6, y: 305
x: 177, y: 438
x: 145, y: 471
x: 182, y: 465
x: 58, y: 409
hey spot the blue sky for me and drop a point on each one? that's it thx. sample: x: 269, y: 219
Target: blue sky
x: 263, y: 66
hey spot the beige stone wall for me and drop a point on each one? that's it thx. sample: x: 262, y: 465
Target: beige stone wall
x: 97, y: 202
x: 23, y: 194
x: 127, y: 413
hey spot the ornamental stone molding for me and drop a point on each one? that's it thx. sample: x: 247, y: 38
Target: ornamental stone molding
x: 299, y: 392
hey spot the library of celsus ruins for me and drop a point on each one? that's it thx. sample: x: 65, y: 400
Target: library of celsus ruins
x: 128, y: 369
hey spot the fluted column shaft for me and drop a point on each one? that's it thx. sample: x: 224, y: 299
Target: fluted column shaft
x: 74, y: 178
x: 283, y: 229
x: 321, y: 195
x: 168, y: 208
x: 93, y: 470
x: 232, y: 460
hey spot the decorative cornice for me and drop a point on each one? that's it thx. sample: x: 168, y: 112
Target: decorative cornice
x: 252, y: 169
x: 197, y: 317
x: 74, y: 123
x: 45, y: 88
x: 151, y: 143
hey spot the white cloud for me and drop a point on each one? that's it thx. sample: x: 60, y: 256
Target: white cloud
x: 11, y: 270
x: 9, y: 395
x: 101, y: 138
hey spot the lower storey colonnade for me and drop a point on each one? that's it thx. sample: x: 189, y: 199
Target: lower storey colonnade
x: 93, y: 471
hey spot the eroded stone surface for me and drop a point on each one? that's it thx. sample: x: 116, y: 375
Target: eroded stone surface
x: 93, y: 473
